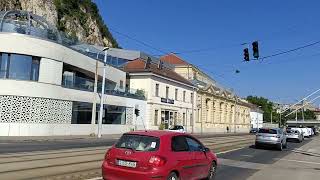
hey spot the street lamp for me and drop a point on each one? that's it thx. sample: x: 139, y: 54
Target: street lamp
x: 102, y: 91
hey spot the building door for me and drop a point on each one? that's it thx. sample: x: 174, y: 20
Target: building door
x: 166, y: 119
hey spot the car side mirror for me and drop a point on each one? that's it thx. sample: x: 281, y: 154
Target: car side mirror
x: 204, y: 149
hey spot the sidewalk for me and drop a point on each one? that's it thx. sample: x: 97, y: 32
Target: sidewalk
x: 104, y: 137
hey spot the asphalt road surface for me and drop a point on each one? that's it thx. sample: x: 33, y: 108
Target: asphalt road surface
x: 298, y: 161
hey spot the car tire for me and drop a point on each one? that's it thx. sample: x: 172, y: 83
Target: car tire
x: 212, y: 171
x: 257, y: 146
x: 172, y: 176
x: 280, y: 147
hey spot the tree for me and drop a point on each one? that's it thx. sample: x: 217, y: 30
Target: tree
x: 265, y: 105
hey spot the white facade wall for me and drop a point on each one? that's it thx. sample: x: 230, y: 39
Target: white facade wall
x: 48, y: 87
x: 256, y: 119
x: 148, y: 81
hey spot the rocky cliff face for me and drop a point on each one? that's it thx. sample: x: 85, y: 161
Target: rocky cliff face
x: 78, y: 18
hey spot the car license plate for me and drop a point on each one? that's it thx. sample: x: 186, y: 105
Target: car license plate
x: 127, y: 163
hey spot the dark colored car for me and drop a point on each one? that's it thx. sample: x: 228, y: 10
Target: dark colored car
x: 162, y: 155
x: 254, y: 130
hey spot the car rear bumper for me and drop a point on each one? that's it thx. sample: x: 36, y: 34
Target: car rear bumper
x: 117, y: 173
x: 265, y: 142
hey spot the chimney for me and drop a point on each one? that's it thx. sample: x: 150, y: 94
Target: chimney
x: 147, y: 65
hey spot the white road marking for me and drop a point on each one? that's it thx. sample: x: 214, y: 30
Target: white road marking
x: 223, y: 152
x: 96, y: 178
x: 298, y: 161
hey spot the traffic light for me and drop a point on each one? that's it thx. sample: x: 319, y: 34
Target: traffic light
x: 246, y: 56
x: 255, y: 49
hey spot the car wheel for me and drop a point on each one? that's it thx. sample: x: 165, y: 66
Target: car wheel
x: 172, y: 176
x: 212, y: 171
x: 257, y: 146
x: 285, y: 145
x: 280, y: 147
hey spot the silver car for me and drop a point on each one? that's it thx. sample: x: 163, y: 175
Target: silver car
x: 294, y: 135
x: 271, y: 137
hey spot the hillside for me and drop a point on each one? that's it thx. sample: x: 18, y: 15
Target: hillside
x: 77, y: 18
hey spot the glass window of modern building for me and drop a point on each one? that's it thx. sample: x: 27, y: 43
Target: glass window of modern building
x: 20, y: 67
x: 81, y: 113
x: 112, y: 114
x: 77, y: 78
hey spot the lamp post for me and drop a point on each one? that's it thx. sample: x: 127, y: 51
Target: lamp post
x: 102, y: 91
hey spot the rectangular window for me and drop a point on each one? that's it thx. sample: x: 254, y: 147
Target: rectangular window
x: 4, y: 62
x: 157, y: 90
x: 156, y: 114
x: 81, y: 113
x: 191, y: 99
x: 184, y: 96
x: 184, y: 118
x: 112, y: 114
x: 121, y: 84
x: 179, y: 143
x: 176, y: 95
x: 35, y: 69
x: 20, y: 67
x: 167, y: 92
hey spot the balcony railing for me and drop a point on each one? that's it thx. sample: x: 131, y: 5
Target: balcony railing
x: 78, y: 83
x: 84, y: 84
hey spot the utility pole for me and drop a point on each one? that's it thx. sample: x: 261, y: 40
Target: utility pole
x: 102, y: 91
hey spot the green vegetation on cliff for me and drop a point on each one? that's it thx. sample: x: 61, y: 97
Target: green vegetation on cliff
x: 82, y: 10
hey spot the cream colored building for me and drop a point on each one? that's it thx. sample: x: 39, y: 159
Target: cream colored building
x: 217, y: 109
x: 170, y: 97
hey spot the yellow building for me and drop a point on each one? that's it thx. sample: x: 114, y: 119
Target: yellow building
x: 217, y: 109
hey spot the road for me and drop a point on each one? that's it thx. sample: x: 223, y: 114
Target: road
x: 298, y: 161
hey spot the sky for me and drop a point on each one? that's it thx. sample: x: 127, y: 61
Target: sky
x: 210, y: 34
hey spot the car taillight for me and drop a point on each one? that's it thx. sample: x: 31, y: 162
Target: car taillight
x: 107, y: 155
x: 157, y: 161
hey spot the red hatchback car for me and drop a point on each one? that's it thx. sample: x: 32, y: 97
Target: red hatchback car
x: 144, y: 155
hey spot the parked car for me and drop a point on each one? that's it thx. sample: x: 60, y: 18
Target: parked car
x: 310, y: 131
x: 300, y: 130
x: 253, y: 130
x: 294, y: 135
x: 271, y: 137
x: 177, y: 128
x: 306, y: 132
x: 165, y: 155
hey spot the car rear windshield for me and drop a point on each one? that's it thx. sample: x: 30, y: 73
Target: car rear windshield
x: 268, y: 131
x: 138, y: 142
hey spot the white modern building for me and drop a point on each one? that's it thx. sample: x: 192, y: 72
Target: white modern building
x: 256, y: 116
x: 50, y: 85
x: 170, y: 97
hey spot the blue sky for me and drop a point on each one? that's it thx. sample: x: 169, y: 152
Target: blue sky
x: 218, y: 28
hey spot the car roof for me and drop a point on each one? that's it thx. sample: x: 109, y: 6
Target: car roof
x: 156, y: 133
